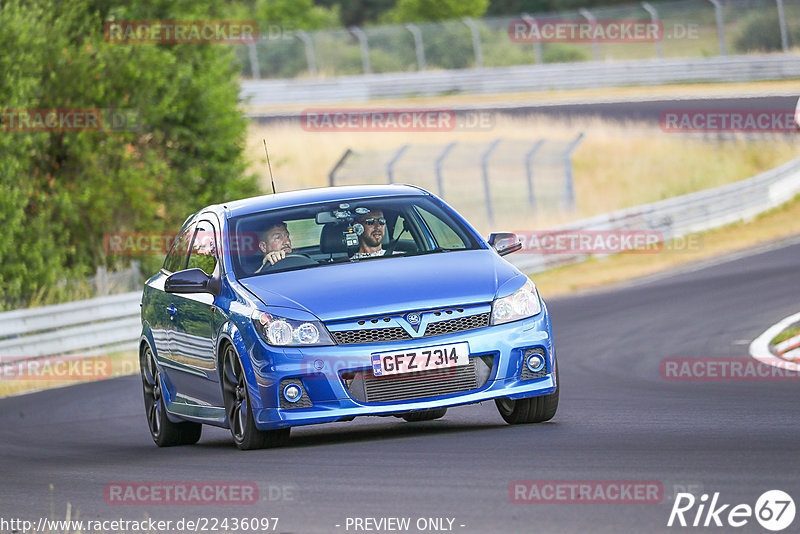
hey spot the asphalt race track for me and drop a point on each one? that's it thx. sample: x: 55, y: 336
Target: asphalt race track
x: 647, y: 110
x: 618, y: 420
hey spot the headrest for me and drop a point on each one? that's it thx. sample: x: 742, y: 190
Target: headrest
x: 331, y: 239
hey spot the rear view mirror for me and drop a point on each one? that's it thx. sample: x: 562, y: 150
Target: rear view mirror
x: 326, y: 217
x: 505, y: 243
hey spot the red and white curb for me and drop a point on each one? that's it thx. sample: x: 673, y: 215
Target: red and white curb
x: 789, y: 349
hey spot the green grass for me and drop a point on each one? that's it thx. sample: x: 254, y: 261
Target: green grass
x: 786, y: 334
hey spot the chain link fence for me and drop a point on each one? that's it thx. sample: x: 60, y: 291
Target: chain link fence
x: 692, y: 28
x: 491, y: 183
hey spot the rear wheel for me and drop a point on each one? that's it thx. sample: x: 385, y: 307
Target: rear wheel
x: 238, y: 408
x: 531, y: 410
x: 424, y: 415
x: 164, y: 432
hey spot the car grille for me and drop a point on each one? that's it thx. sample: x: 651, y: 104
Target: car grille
x: 458, y: 324
x: 438, y: 328
x: 368, y: 388
x: 371, y: 335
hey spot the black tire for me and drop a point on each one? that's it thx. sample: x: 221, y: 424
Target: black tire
x: 424, y: 415
x: 530, y: 410
x: 164, y: 432
x: 238, y: 408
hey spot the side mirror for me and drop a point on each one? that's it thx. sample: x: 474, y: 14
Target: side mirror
x: 505, y: 243
x: 189, y: 281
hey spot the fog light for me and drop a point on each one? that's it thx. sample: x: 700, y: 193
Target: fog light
x: 292, y: 393
x: 535, y: 362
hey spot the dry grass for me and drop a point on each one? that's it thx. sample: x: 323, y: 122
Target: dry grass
x: 617, y: 165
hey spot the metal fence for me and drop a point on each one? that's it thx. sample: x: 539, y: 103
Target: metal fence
x: 481, y: 180
x: 693, y: 28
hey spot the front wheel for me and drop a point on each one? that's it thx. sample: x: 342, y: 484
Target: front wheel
x: 531, y: 410
x: 240, y: 413
x: 164, y: 432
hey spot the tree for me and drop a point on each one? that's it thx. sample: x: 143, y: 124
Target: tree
x: 435, y: 10
x: 63, y: 191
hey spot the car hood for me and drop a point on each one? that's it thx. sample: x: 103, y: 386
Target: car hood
x: 390, y: 285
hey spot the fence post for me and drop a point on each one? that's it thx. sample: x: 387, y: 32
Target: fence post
x: 476, y: 40
x: 101, y: 282
x: 585, y: 13
x: 485, y: 168
x: 439, y: 163
x: 529, y: 170
x: 332, y: 174
x: 390, y: 165
x: 654, y: 18
x: 537, y: 46
x: 782, y: 24
x: 720, y: 27
x: 569, y: 188
x: 418, y: 45
x: 364, y: 44
x: 311, y: 58
x: 255, y: 70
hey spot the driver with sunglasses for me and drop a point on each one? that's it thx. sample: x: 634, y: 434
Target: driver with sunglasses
x: 371, y: 240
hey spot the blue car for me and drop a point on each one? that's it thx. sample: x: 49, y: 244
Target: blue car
x: 327, y: 304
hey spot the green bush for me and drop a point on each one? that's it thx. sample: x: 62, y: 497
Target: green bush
x: 63, y: 191
x: 761, y: 32
x: 563, y: 53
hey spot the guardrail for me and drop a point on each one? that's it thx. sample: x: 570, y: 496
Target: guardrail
x: 85, y: 327
x: 528, y: 78
x: 679, y: 216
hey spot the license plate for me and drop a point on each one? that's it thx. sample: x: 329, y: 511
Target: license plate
x: 422, y: 359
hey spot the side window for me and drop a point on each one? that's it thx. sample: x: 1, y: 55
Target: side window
x: 445, y: 236
x: 398, y: 228
x: 176, y: 257
x: 203, y: 253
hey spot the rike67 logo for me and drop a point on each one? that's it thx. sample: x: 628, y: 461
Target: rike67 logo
x: 774, y: 510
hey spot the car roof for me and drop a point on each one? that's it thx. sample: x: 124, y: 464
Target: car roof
x: 312, y: 196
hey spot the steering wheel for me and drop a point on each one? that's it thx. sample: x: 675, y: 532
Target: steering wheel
x: 292, y: 260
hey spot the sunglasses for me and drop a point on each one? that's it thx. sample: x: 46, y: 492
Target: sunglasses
x: 371, y: 221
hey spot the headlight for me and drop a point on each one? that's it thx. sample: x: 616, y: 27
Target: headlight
x: 521, y: 304
x: 284, y: 332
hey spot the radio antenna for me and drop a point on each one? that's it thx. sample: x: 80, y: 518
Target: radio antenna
x: 269, y: 166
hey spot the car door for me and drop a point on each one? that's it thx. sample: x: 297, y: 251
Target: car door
x: 196, y: 322
x: 159, y: 305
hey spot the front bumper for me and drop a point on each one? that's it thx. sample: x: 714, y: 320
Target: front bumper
x: 327, y: 398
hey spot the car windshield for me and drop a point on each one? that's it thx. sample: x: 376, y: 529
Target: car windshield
x: 304, y: 237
